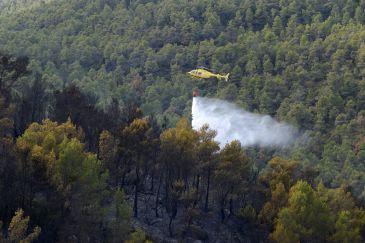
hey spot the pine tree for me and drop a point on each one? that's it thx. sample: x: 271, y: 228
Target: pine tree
x: 18, y: 230
x: 306, y: 218
x: 231, y: 175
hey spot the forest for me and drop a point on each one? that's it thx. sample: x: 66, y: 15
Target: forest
x: 96, y: 142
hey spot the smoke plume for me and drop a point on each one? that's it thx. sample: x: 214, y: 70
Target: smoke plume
x: 232, y: 122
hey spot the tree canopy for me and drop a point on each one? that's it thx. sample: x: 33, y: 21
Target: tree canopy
x: 95, y: 135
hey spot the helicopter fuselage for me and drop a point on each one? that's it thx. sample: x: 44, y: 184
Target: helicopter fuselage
x: 205, y: 74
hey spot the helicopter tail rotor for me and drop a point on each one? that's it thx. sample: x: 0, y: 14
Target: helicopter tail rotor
x: 226, y: 77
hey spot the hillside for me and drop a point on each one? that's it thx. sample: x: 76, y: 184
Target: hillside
x: 299, y: 62
x: 10, y: 6
x: 106, y: 64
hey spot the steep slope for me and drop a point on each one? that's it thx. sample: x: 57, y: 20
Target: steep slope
x: 300, y: 61
x: 19, y: 5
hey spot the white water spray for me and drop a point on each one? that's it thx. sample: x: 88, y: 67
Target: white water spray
x: 232, y: 122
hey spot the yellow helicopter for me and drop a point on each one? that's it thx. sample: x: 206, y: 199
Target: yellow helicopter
x: 204, y: 73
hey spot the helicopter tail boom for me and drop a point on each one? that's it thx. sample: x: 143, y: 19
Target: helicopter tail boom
x: 225, y: 77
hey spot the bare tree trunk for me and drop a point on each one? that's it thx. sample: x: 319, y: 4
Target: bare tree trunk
x: 222, y: 204
x: 197, y: 190
x: 231, y: 203
x: 157, y: 197
x: 152, y: 180
x: 123, y: 177
x: 135, y: 206
x: 231, y: 206
x: 123, y: 167
x: 153, y: 173
x: 207, y: 193
x: 170, y: 226
x: 222, y: 210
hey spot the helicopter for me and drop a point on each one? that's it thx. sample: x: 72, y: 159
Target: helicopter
x: 205, y: 73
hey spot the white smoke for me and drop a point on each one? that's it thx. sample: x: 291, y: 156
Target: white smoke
x: 234, y: 123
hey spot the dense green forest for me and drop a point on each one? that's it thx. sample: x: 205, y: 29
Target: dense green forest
x: 95, y: 106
